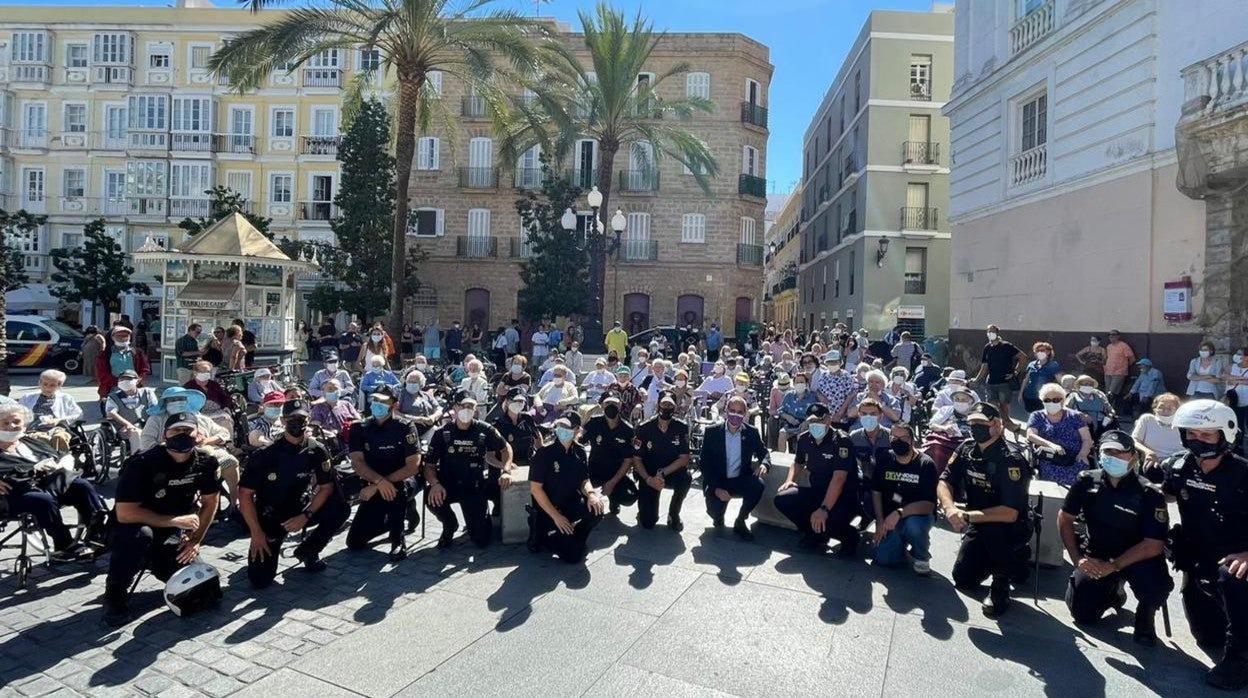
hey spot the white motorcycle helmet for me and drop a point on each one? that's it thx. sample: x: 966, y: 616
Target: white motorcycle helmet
x: 193, y: 588
x: 1207, y: 414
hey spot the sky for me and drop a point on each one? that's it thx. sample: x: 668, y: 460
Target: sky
x: 808, y: 40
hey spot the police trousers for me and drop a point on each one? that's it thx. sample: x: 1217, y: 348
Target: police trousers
x: 999, y: 551
x: 46, y: 508
x: 136, y: 547
x: 1088, y: 599
x: 748, y: 486
x: 472, y: 500
x: 798, y: 503
x: 624, y: 493
x: 569, y: 548
x: 1216, y: 605
x: 323, y: 525
x: 648, y: 497
x: 377, y: 516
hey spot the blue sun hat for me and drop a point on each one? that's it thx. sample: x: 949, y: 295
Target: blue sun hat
x: 194, y: 400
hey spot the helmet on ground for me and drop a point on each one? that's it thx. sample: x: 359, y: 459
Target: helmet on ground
x: 193, y: 588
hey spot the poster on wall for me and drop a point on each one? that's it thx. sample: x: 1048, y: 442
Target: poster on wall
x: 272, y: 333
x: 263, y: 276
x: 216, y: 272
x: 1177, y: 301
x: 176, y: 271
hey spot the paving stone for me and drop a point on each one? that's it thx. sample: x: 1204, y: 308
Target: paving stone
x: 292, y: 684
x: 38, y: 686
x: 153, y: 684
x: 221, y: 686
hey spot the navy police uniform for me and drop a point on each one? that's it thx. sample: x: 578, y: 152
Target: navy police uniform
x: 1116, y: 518
x: 385, y: 446
x: 522, y: 434
x: 562, y: 472
x: 658, y: 448
x: 608, y: 449
x: 283, y: 476
x: 823, y: 460
x: 458, y: 455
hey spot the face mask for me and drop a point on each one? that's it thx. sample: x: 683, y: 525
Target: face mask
x: 9, y: 437
x: 182, y: 443
x: 1095, y: 343
x: 982, y: 433
x: 899, y: 447
x: 332, y: 368
x: 564, y: 435
x: 128, y: 385
x: 1052, y: 407
x: 799, y: 388
x: 175, y: 406
x: 1237, y: 358
x: 667, y: 413
x: 203, y: 377
x: 375, y: 369
x: 735, y: 420
x: 611, y: 411
x: 378, y: 409
x: 719, y: 370
x: 926, y: 363
x: 870, y: 422
x: 992, y: 336
x: 742, y: 388
x: 556, y: 381
x: 1204, y: 353
x: 331, y: 397
x: 474, y: 374
x: 122, y: 346
x: 296, y: 429
x: 515, y: 407
x: 681, y: 384
x: 516, y: 369
x: 263, y: 380
x: 1202, y: 450
x: 376, y: 338
x: 272, y: 412
x: 833, y: 367
x: 899, y: 380
x: 1165, y: 419
x: 1042, y: 356
x: 818, y: 431
x: 412, y: 388
x: 961, y: 407
x: 465, y: 414
x: 1114, y: 467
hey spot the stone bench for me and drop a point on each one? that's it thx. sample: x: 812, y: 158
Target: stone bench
x: 766, y: 511
x: 1051, y: 551
x: 515, y: 500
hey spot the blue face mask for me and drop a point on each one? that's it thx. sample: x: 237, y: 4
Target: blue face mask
x: 379, y: 409
x: 564, y: 435
x: 412, y: 388
x: 331, y: 398
x: 818, y: 431
x: 870, y: 422
x: 272, y: 412
x: 1114, y: 467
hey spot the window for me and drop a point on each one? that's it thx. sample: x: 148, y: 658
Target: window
x: 114, y: 186
x: 698, y: 85
x: 35, y: 121
x: 637, y: 240
x: 693, y: 227
x: 425, y: 222
x: 280, y: 186
x: 192, y: 114
x: 118, y: 234
x: 283, y: 123
x: 32, y: 186
x: 26, y: 332
x: 921, y: 78
x: 110, y: 48
x: 200, y: 56
x: 160, y: 56
x: 75, y: 182
x: 479, y: 222
x: 749, y: 161
x: 189, y: 180
x: 749, y: 234
x: 844, y: 106
x: 433, y: 82
x: 71, y: 240
x: 149, y: 112
x: 836, y: 278
x: 324, y: 121
x: 145, y: 178
x: 853, y: 265
x: 427, y: 153
x: 325, y: 59
x: 916, y: 270
x: 239, y: 182
x: 76, y: 118
x: 370, y: 59
x: 30, y: 47
x: 1026, y: 7
x: 75, y: 55
x: 1035, y: 126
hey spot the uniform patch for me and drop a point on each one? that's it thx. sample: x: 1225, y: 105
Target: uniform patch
x: 1162, y: 515
x: 1015, y: 473
x: 327, y: 466
x: 649, y: 445
x: 1185, y: 494
x: 160, y: 493
x: 272, y: 477
x: 556, y: 467
x: 843, y: 452
x: 637, y: 443
x: 598, y: 440
x: 411, y: 438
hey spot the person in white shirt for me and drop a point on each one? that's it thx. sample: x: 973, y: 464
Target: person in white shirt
x: 641, y: 367
x: 652, y: 384
x: 956, y: 380
x: 331, y: 371
x: 718, y: 384
x: 541, y: 345
x: 573, y: 358
x: 596, y: 381
x: 475, y: 384
x: 556, y: 362
x: 558, y: 395
x: 262, y: 384
x: 1154, y: 433
x: 127, y: 407
x: 54, y: 411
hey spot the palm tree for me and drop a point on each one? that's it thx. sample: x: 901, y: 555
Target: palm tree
x: 607, y: 101
x: 487, y: 49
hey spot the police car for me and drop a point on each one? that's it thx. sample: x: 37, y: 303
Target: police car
x: 36, y: 342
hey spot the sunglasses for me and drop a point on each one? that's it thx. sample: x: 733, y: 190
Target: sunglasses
x: 1052, y: 400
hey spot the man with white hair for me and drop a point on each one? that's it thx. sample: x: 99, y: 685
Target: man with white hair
x: 262, y: 384
x: 54, y: 411
x: 377, y: 376
x: 956, y: 380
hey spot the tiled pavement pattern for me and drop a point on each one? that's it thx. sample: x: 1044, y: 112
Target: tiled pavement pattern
x: 651, y: 613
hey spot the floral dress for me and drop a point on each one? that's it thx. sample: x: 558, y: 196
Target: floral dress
x: 1064, y: 433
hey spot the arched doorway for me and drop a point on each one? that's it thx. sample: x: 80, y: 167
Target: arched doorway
x: 689, y: 310
x: 477, y: 307
x: 636, y: 312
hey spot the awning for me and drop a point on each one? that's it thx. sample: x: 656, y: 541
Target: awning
x: 209, y: 295
x: 32, y: 297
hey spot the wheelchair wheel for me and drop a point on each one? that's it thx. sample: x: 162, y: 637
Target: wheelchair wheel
x: 98, y: 447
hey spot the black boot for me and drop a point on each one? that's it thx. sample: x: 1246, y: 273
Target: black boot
x: 998, y: 600
x: 116, y: 605
x: 1145, y: 632
x: 312, y: 562
x: 1230, y: 674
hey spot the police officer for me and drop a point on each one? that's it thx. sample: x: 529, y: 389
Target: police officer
x: 994, y: 522
x: 824, y: 510
x: 465, y: 458
x: 1125, y: 531
x: 157, y: 524
x: 565, y: 505
x: 661, y: 447
x: 517, y: 426
x: 611, y: 456
x: 1210, y: 484
x: 903, y: 496
x: 385, y: 454
x: 286, y: 487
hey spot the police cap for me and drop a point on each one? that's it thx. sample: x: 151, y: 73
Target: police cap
x: 982, y: 412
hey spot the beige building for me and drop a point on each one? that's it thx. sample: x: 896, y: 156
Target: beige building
x: 780, y: 265
x: 686, y: 256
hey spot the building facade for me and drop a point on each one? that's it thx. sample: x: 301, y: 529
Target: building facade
x: 686, y: 255
x: 873, y: 225
x: 780, y: 265
x: 1066, y: 218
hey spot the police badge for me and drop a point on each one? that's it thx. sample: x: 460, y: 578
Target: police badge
x: 272, y: 477
x: 1015, y: 473
x: 1162, y: 515
x: 843, y: 452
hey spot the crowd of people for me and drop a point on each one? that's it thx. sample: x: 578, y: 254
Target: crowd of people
x: 885, y: 441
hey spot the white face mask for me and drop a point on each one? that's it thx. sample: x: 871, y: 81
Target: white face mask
x: 1086, y: 389
x: 128, y: 385
x: 9, y: 437
x: 961, y: 407
x: 799, y: 388
x: 899, y: 380
x: 122, y: 346
x: 332, y: 368
x: 1204, y: 353
x: 1052, y: 407
x: 1042, y: 356
x: 1238, y: 358
x: 376, y: 337
x: 465, y: 414
x: 1165, y: 419
x: 1095, y: 343
x: 681, y: 384
x: 515, y: 407
x: 556, y: 380
x: 992, y: 336
x: 203, y: 377
x: 719, y: 370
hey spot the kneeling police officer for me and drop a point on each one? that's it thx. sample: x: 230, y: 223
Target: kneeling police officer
x: 468, y: 461
x: 286, y: 487
x: 565, y: 506
x: 385, y: 453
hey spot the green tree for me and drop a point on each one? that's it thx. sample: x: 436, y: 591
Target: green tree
x: 95, y: 272
x: 223, y: 201
x: 555, y: 275
x: 12, y: 266
x: 488, y: 50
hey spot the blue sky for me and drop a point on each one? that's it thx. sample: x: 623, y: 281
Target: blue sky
x: 808, y: 39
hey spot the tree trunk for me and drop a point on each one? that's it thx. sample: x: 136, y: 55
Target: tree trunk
x: 405, y: 150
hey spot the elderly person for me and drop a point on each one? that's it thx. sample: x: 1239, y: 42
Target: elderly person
x: 956, y: 379
x: 377, y: 376
x: 682, y: 392
x: 213, y: 437
x: 334, y: 371
x: 597, y: 380
x: 1148, y: 385
x: 36, y: 480
x: 1041, y: 371
x: 333, y: 413
x: 54, y: 411
x: 833, y: 386
x: 548, y: 370
x: 558, y: 395
x: 262, y: 383
x: 1204, y: 374
x: 652, y: 384
x: 1062, y: 436
x: 890, y: 407
x: 475, y: 383
x: 417, y: 405
x: 267, y: 427
x: 719, y: 384
x: 127, y: 407
x: 903, y: 391
x: 119, y: 355
x: 1154, y: 433
x: 1088, y: 400
x: 217, y: 400
x: 793, y: 409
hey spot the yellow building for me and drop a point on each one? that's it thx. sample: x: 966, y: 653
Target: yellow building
x: 780, y: 265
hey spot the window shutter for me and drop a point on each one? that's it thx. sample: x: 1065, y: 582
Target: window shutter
x: 441, y: 222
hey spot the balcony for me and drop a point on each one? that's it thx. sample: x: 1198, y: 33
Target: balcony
x: 749, y: 255
x: 1214, y: 119
x: 33, y: 138
x: 319, y: 145
x: 921, y: 91
x: 149, y: 140
x: 31, y: 72
x: 189, y: 208
x: 317, y: 211
x: 476, y: 246
x: 35, y: 204
x: 157, y: 207
x: 78, y: 205
x: 749, y: 185
x: 528, y: 178
x: 116, y: 76
x: 754, y: 114
x: 521, y: 248
x: 473, y: 107
x: 1216, y: 85
x: 919, y: 218
x: 1029, y: 165
x: 915, y: 283
x: 640, y: 251
x: 850, y: 166
x: 787, y: 283
x: 240, y: 143
x: 322, y: 77
x: 1033, y: 27
x: 638, y: 180
x: 478, y: 177
x: 116, y: 206
x: 583, y: 179
x: 35, y: 263
x: 920, y: 153
x: 194, y: 142
x: 113, y: 140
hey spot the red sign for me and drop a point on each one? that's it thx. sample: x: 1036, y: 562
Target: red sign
x: 1177, y: 301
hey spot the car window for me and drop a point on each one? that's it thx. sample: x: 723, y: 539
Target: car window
x: 25, y: 332
x: 62, y: 329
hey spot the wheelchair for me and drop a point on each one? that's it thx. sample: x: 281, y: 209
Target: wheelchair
x: 86, y: 445
x: 110, y: 448
x: 24, y: 530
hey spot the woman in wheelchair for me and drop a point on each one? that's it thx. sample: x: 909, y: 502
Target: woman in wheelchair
x: 419, y: 406
x: 127, y: 407
x: 216, y: 399
x: 36, y: 480
x: 333, y: 414
x: 54, y: 411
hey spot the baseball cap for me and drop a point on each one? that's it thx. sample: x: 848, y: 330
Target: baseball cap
x: 667, y: 396
x: 182, y: 419
x: 833, y: 356
x: 817, y: 411
x: 462, y: 397
x: 982, y: 412
x: 1116, y: 440
x: 263, y: 373
x: 295, y: 408
x: 516, y: 394
x: 385, y: 394
x: 623, y: 371
x: 742, y: 377
x: 128, y: 373
x: 273, y: 398
x: 1145, y: 362
x: 120, y: 329
x: 609, y: 397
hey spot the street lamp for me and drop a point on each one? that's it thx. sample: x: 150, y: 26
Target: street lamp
x: 598, y: 247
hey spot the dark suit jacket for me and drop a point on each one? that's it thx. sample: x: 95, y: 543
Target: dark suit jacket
x: 714, y: 458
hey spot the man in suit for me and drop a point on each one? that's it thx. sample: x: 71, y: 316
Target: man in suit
x: 729, y: 454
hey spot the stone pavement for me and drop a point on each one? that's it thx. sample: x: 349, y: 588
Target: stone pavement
x: 650, y: 613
